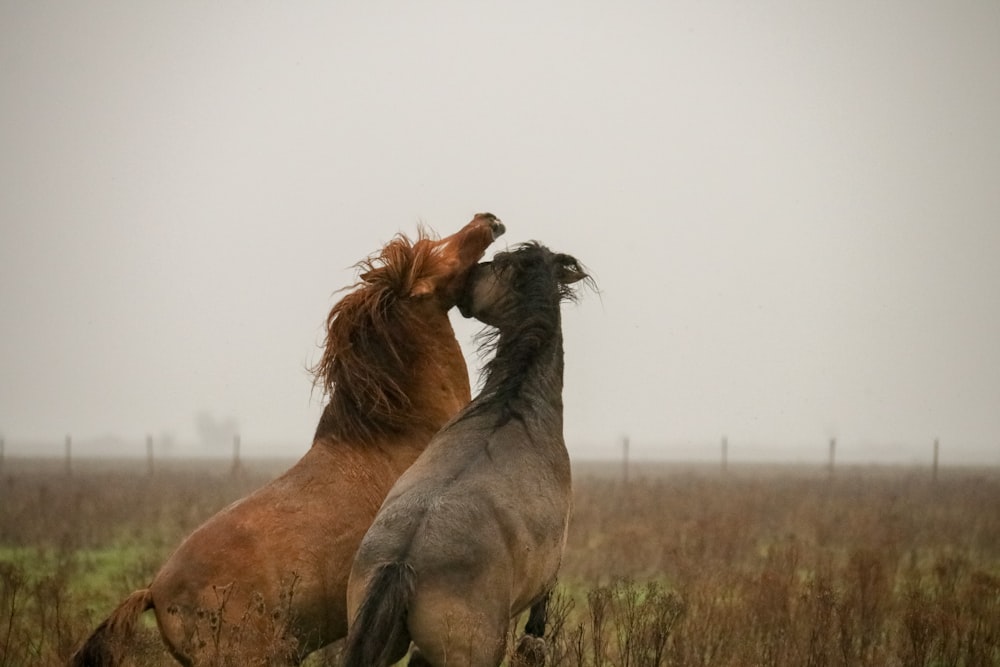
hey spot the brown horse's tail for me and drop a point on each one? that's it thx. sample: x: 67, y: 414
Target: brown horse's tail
x: 104, y: 647
x: 378, y: 636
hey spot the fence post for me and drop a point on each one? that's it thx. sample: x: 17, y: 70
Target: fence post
x: 69, y: 456
x: 149, y: 455
x: 833, y: 454
x: 625, y: 458
x: 725, y: 453
x: 236, y: 455
x: 934, y: 471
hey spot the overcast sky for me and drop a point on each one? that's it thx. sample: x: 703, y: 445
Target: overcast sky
x: 792, y: 210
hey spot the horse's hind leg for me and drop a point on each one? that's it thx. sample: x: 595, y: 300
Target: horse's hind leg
x: 417, y: 659
x: 530, y: 651
x: 537, y: 616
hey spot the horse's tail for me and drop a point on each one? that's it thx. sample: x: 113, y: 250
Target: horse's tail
x: 104, y: 646
x: 379, y: 637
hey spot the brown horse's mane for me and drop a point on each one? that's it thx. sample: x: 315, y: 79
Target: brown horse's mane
x: 371, y: 342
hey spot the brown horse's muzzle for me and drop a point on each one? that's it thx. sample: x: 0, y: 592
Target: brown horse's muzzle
x: 497, y: 227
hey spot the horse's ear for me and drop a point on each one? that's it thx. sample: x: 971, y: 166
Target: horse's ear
x: 422, y: 287
x: 570, y: 270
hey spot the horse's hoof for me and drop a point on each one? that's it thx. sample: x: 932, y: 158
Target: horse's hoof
x: 530, y: 652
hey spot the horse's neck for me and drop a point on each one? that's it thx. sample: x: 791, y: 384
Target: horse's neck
x: 437, y: 387
x: 369, y: 469
x: 539, y: 381
x: 439, y: 384
x: 546, y: 380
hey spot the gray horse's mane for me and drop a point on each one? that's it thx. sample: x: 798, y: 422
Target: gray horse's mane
x: 537, y: 278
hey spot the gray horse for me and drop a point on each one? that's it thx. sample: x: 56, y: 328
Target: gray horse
x: 473, y: 533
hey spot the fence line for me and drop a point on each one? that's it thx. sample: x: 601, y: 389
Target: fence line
x: 625, y: 458
x: 937, y: 446
x: 830, y: 465
x: 237, y: 466
x: 72, y: 449
x: 149, y: 455
x: 69, y: 456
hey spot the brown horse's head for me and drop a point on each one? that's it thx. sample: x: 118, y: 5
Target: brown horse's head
x: 440, y: 268
x: 397, y: 312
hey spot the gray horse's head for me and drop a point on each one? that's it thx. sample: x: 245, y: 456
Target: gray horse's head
x: 528, y: 278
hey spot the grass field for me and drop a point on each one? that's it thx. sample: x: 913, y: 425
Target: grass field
x: 683, y: 565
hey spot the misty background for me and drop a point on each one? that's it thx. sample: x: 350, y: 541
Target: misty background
x: 792, y: 212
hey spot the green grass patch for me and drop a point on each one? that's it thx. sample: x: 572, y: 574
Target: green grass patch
x: 92, y: 574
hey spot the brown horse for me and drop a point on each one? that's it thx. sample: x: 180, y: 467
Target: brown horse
x: 264, y: 581
x: 473, y: 533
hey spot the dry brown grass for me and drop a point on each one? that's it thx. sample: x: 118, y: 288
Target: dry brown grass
x: 872, y: 567
x: 682, y: 567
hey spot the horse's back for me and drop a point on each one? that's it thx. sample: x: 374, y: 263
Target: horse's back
x: 480, y: 510
x: 289, y: 545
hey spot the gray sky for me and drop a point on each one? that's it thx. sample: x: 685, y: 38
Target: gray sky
x: 792, y: 210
